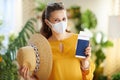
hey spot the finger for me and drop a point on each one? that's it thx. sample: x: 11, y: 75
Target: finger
x: 87, y: 57
x: 88, y: 54
x: 89, y: 45
x: 88, y: 48
x: 22, y: 71
x: 28, y: 76
x: 87, y: 51
x: 25, y: 72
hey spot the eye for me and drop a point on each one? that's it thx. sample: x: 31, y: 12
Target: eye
x: 57, y: 20
x: 64, y: 19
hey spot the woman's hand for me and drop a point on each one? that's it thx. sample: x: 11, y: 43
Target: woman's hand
x: 88, y: 52
x: 85, y: 62
x: 24, y: 72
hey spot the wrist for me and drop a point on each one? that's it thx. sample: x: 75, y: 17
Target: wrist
x: 85, y: 64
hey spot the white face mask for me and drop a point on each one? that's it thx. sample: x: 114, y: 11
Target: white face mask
x: 59, y: 27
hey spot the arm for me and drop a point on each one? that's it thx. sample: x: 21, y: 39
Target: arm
x: 87, y: 72
x: 87, y: 66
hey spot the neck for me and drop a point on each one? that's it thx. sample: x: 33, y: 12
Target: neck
x: 58, y: 36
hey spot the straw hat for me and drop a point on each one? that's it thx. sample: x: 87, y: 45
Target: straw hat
x: 37, y: 56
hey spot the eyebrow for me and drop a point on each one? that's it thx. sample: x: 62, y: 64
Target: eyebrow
x: 57, y: 18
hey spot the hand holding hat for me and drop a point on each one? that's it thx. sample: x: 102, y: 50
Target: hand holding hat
x: 37, y: 56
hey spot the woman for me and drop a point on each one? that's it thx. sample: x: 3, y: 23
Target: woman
x: 65, y: 65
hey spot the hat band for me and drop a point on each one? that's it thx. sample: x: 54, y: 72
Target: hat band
x: 37, y: 57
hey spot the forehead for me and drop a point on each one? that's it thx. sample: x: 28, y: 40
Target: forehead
x: 58, y: 14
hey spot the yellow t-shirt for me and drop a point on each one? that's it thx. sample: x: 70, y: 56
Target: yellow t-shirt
x: 65, y: 65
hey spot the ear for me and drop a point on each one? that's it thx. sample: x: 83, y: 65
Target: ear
x: 48, y: 23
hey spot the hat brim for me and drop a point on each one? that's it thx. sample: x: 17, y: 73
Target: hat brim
x: 45, y: 55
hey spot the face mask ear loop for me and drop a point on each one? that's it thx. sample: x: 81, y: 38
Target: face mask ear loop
x: 51, y: 25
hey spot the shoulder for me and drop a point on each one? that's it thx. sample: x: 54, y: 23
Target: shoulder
x: 72, y: 36
x: 76, y: 35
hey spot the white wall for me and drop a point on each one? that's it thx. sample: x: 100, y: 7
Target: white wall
x: 23, y: 12
x: 101, y: 8
x: 18, y: 16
